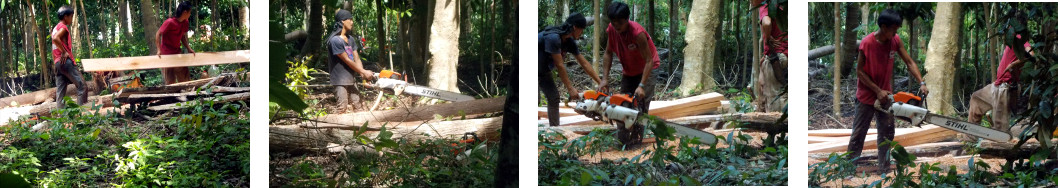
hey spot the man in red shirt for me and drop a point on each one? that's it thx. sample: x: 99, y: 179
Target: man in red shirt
x: 63, y: 61
x: 633, y: 45
x: 875, y: 73
x: 997, y: 95
x: 170, y: 37
x: 772, y: 75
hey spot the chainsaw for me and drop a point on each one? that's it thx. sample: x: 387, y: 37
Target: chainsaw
x: 621, y: 111
x: 906, y: 106
x: 388, y: 79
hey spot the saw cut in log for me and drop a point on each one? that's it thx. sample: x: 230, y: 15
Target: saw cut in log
x: 420, y: 113
x: 166, y: 61
x: 296, y: 138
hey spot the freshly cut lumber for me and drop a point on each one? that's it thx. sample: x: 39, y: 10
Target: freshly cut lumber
x: 695, y: 105
x: 222, y: 99
x: 836, y: 132
x: 541, y: 112
x: 922, y: 150
x: 928, y: 133
x: 166, y: 61
x: 296, y: 138
x: 419, y: 113
x: 819, y: 139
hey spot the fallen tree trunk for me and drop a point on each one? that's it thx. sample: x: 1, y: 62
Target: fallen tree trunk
x: 220, y: 100
x: 420, y: 113
x: 695, y: 105
x: 41, y: 96
x: 823, y: 51
x: 300, y: 139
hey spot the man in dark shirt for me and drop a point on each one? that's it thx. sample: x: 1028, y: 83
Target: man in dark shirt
x: 553, y: 42
x: 345, y: 61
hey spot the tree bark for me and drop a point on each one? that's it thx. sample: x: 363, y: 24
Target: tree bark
x: 419, y: 113
x: 45, y: 62
x: 295, y: 138
x: 597, y: 32
x: 850, y: 44
x: 836, y: 103
x: 673, y: 32
x: 314, y: 24
x: 940, y: 59
x: 698, y: 58
x: 382, y: 49
x: 991, y: 47
x: 150, y: 24
x: 444, y: 42
x: 650, y: 17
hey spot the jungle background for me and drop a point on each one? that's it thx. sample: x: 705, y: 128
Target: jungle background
x: 201, y: 145
x: 977, y: 34
x: 704, y: 46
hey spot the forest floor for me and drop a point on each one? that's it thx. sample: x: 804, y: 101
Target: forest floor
x: 821, y: 117
x: 204, y: 144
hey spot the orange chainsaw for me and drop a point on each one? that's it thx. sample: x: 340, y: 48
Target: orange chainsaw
x: 906, y: 106
x: 622, y: 111
x: 388, y: 79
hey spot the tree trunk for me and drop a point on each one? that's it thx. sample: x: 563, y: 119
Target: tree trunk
x: 290, y: 138
x: 75, y: 29
x: 836, y: 103
x: 651, y: 29
x: 673, y: 31
x: 698, y: 58
x: 86, y: 41
x: 150, y: 24
x: 383, y: 50
x: 600, y: 36
x: 444, y: 42
x: 850, y: 47
x: 596, y: 37
x: 45, y: 62
x: 757, y: 49
x: 314, y: 24
x: 940, y: 57
x: 454, y: 110
x: 564, y: 11
x: 990, y: 49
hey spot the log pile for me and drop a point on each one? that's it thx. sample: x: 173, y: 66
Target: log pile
x: 445, y: 121
x: 156, y: 98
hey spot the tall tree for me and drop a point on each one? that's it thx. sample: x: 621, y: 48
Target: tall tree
x: 443, y: 50
x: 314, y: 25
x: 837, y: 59
x: 673, y: 32
x: 383, y: 50
x: 849, y: 47
x: 150, y: 24
x: 701, y: 46
x: 940, y: 57
x: 45, y: 63
x: 650, y: 17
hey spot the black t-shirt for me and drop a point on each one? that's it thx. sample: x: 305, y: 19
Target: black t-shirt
x: 552, y: 44
x: 342, y: 74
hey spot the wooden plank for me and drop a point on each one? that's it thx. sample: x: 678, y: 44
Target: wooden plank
x: 928, y: 133
x: 297, y: 138
x: 689, y: 106
x: 541, y: 112
x: 166, y: 61
x: 848, y: 132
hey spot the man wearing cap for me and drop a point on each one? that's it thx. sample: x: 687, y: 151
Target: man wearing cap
x: 345, y: 61
x: 632, y: 44
x: 552, y: 43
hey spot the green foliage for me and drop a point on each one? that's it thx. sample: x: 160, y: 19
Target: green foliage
x: 207, y: 146
x: 685, y: 163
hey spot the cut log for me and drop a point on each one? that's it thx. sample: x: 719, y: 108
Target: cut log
x: 725, y: 107
x: 926, y: 134
x: 695, y: 105
x: 220, y: 100
x: 220, y: 89
x: 166, y: 61
x: 182, y: 97
x: 296, y: 138
x: 541, y: 112
x: 41, y: 96
x: 420, y: 113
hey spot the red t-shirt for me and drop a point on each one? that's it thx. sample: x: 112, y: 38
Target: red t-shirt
x: 172, y: 33
x: 776, y: 33
x: 56, y: 52
x: 1002, y: 76
x: 624, y: 45
x: 878, y: 65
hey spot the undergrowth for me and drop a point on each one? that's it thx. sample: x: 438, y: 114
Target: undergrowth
x: 1031, y: 172
x: 206, y: 146
x: 688, y: 162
